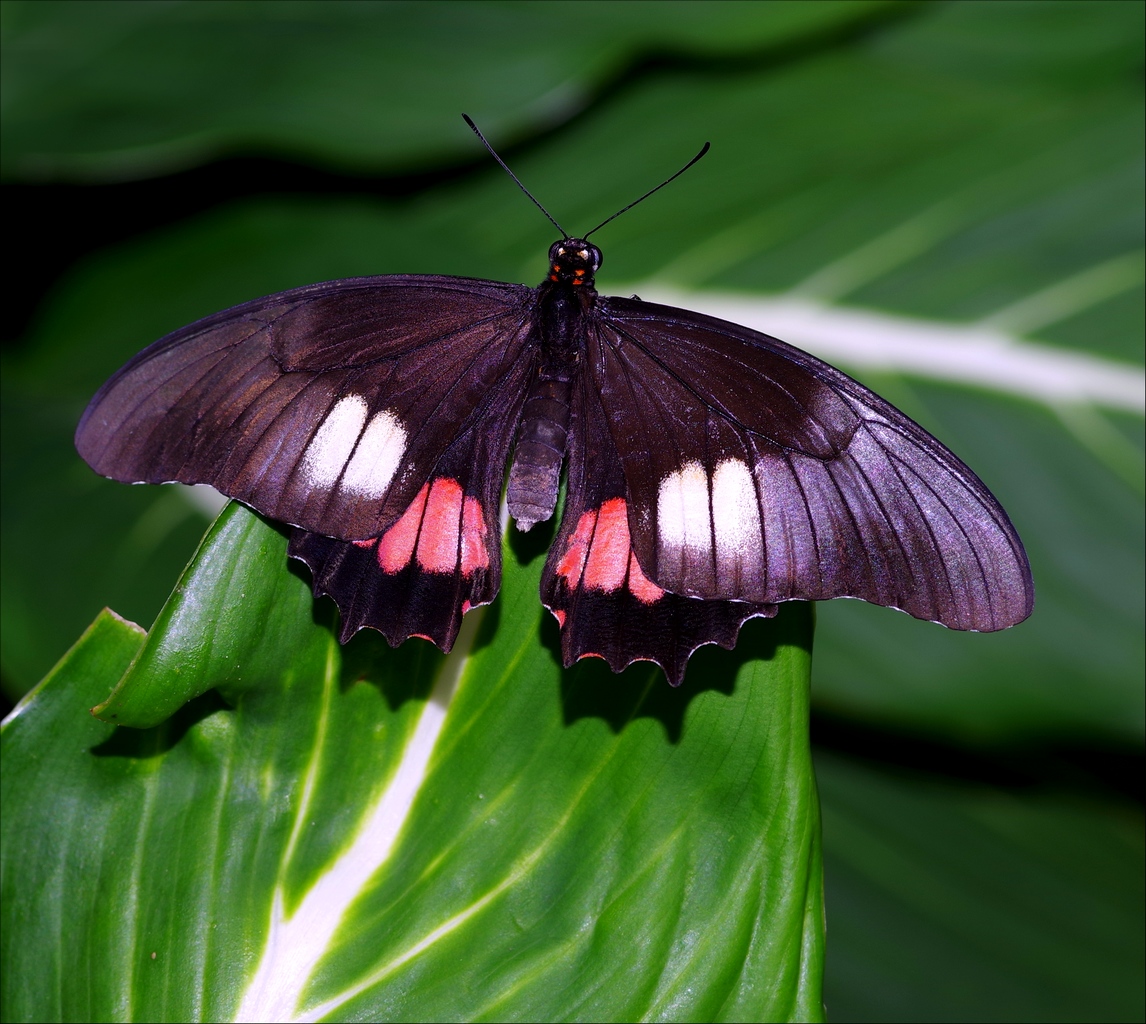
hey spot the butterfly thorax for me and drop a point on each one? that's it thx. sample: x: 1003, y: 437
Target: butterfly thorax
x: 565, y: 299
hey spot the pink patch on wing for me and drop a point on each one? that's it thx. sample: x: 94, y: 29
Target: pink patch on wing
x: 644, y: 589
x: 600, y: 554
x: 573, y: 561
x: 438, y: 542
x: 609, y: 553
x: 365, y: 543
x: 559, y: 615
x: 475, y: 555
x: 397, y: 544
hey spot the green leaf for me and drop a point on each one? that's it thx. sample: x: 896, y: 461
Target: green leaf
x: 359, y: 833
x: 48, y: 826
x: 124, y: 90
x: 960, y: 901
x: 223, y: 627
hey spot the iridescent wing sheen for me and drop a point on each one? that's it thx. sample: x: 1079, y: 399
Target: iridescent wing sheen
x: 326, y: 407
x: 755, y: 472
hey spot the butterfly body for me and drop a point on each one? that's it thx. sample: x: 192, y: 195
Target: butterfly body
x: 712, y: 471
x: 565, y: 302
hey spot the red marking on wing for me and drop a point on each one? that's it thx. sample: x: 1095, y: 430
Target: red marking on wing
x: 644, y: 589
x: 573, y: 561
x: 438, y: 543
x: 397, y: 544
x: 431, y: 525
x: 475, y: 555
x: 365, y: 543
x: 559, y: 615
x: 600, y: 555
x: 609, y: 553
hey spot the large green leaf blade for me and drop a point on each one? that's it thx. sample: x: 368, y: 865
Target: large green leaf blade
x: 43, y: 866
x: 217, y: 628
x: 958, y: 900
x: 361, y: 833
x: 125, y: 90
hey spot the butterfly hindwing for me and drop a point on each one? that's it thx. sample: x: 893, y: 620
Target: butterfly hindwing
x: 593, y: 584
x: 731, y: 501
x: 442, y: 556
x: 325, y: 407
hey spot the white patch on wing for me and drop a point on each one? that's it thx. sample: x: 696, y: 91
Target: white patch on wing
x: 377, y: 457
x: 683, y: 510
x: 736, y: 520
x: 333, y: 442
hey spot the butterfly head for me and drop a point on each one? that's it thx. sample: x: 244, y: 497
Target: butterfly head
x: 573, y: 261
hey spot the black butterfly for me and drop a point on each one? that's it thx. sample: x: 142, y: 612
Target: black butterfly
x: 712, y: 471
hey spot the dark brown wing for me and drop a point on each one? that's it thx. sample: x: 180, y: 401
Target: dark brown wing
x: 755, y: 472
x: 443, y: 555
x: 606, y: 605
x: 326, y: 407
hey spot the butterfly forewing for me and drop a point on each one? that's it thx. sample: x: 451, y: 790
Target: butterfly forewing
x: 326, y: 407
x: 729, y: 500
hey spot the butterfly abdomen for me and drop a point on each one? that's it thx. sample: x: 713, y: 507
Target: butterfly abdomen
x: 535, y: 474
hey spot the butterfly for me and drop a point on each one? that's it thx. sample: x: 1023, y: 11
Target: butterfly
x: 712, y: 471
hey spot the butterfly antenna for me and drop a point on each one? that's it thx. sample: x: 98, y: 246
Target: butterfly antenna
x: 704, y: 149
x: 505, y: 167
